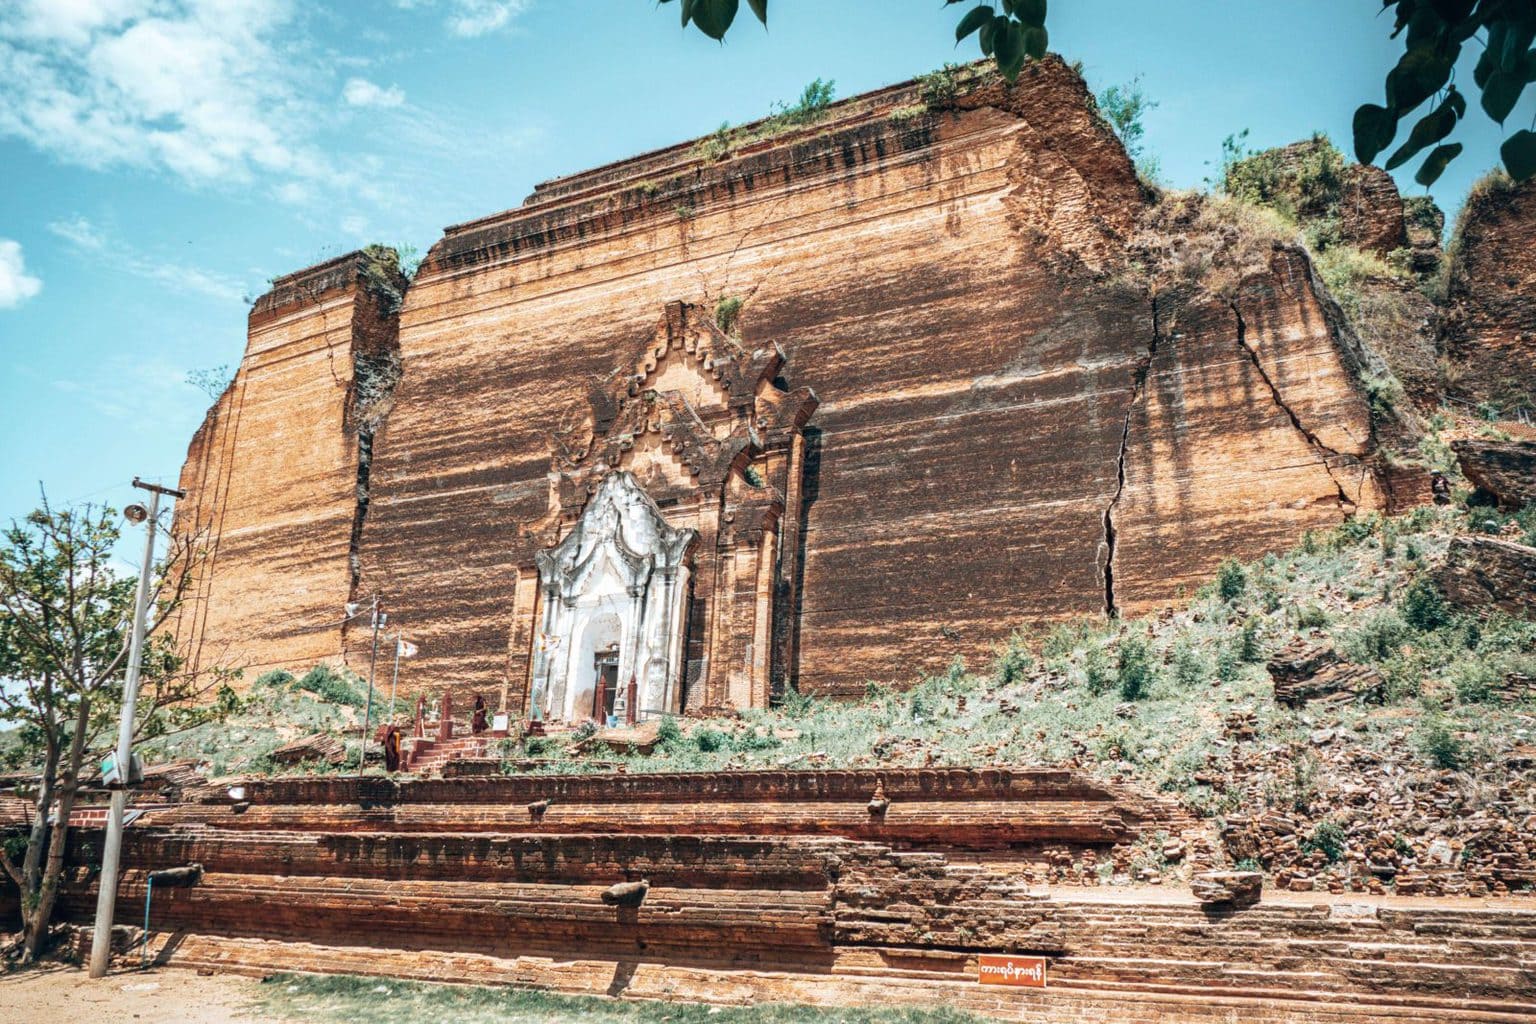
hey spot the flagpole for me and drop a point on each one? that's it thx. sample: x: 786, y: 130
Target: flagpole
x: 394, y: 679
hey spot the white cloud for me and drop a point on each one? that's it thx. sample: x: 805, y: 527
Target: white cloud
x: 478, y: 17
x: 73, y: 21
x: 86, y: 239
x: 16, y: 285
x: 359, y: 92
x: 470, y: 18
x: 195, y: 87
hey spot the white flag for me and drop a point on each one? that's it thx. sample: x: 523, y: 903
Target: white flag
x: 407, y: 649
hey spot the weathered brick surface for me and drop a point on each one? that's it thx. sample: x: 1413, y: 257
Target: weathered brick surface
x: 307, y: 876
x: 1489, y: 330
x: 1506, y: 470
x: 272, y: 477
x: 1484, y: 572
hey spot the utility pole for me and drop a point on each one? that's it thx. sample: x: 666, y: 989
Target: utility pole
x: 106, y: 897
x: 378, y: 621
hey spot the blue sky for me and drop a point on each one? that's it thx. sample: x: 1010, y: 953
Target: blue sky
x: 162, y: 159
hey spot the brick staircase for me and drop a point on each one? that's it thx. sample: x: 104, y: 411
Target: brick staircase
x: 429, y: 755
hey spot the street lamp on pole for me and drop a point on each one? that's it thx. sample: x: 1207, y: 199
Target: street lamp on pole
x: 106, y: 896
x: 379, y: 619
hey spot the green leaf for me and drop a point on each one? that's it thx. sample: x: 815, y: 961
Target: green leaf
x: 1513, y: 55
x: 1489, y: 61
x: 1434, y: 164
x: 759, y: 8
x: 977, y: 17
x: 1431, y: 129
x: 1417, y: 77
x: 987, y: 32
x: 1519, y: 153
x: 1031, y: 12
x: 1008, y: 41
x: 714, y: 17
x: 1036, y: 40
x: 1424, y: 29
x: 1451, y: 11
x: 1501, y: 94
x: 1374, y: 128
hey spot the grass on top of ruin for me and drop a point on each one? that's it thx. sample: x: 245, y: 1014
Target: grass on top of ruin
x: 337, y: 999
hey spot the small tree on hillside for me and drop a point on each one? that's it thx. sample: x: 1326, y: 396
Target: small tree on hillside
x: 64, y: 628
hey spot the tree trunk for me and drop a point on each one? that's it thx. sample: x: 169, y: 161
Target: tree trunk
x: 36, y: 924
x: 32, y: 865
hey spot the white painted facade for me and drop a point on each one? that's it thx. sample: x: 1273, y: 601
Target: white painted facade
x: 618, y: 578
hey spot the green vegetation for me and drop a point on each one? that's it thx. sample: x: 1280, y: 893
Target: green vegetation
x: 809, y: 109
x: 384, y: 277
x: 1230, y: 580
x: 727, y: 311
x: 213, y: 380
x: 335, y: 999
x: 331, y: 686
x: 1125, y: 107
x: 278, y: 709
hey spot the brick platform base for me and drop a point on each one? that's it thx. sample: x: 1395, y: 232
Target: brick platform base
x: 784, y: 887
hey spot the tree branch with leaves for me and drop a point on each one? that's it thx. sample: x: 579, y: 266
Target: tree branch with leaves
x: 64, y: 632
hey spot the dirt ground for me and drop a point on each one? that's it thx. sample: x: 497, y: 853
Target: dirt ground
x: 65, y: 995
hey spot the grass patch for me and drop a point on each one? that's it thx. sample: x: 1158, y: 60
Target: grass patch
x: 336, y: 999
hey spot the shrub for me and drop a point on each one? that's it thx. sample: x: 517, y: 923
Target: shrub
x: 1230, y: 580
x: 1311, y: 616
x: 711, y: 740
x: 795, y: 704
x: 1014, y: 660
x: 1249, y: 647
x: 669, y: 735
x: 1133, y: 672
x: 1304, y: 181
x: 1124, y: 107
x: 1423, y: 606
x: 754, y: 740
x: 1096, y: 670
x: 1377, y: 638
x: 277, y: 679
x: 727, y: 310
x: 921, y: 706
x: 1327, y: 838
x: 940, y: 88
x: 1474, y: 680
x: 1228, y: 663
x: 1440, y: 744
x: 330, y: 686
x: 1190, y: 666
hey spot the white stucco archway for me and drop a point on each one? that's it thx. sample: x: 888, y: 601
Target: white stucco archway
x: 619, y: 574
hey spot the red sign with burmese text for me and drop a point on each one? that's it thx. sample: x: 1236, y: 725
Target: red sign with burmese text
x: 1023, y: 971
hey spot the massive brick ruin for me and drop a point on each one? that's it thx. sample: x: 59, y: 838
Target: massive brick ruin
x: 886, y: 378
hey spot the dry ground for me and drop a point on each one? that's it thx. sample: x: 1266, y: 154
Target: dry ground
x: 57, y: 994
